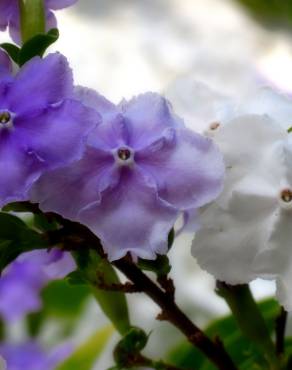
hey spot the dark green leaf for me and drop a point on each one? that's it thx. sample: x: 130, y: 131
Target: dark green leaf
x: 37, y: 46
x: 16, y: 238
x: 12, y: 50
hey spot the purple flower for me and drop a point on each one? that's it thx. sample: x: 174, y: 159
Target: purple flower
x: 22, y: 281
x: 9, y: 15
x: 41, y: 127
x: 31, y: 356
x: 142, y: 168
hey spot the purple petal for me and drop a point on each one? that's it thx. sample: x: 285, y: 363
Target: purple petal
x: 40, y: 83
x: 148, y: 115
x: 131, y: 218
x: 51, y: 21
x: 187, y: 168
x: 5, y: 64
x: 57, y: 136
x: 7, y: 7
x: 83, y: 181
x: 19, y: 170
x: 59, y: 4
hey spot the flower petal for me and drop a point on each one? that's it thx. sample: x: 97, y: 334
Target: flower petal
x: 40, y: 83
x: 148, y: 115
x: 5, y: 64
x: 19, y: 170
x: 58, y: 135
x: 267, y: 101
x: 226, y: 246
x: 131, y: 218
x: 7, y: 7
x: 59, y: 4
x: 82, y: 181
x: 187, y: 168
x: 276, y: 259
x: 199, y: 105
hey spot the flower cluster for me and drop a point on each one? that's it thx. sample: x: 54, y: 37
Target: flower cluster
x: 9, y: 15
x: 246, y: 233
x: 126, y: 171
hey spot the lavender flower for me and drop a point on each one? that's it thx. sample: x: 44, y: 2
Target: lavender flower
x: 40, y: 126
x: 9, y: 15
x: 142, y: 168
x: 31, y: 356
x: 22, y: 281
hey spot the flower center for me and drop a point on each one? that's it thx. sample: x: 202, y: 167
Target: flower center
x: 286, y: 195
x: 5, y: 117
x: 214, y: 125
x: 124, y: 154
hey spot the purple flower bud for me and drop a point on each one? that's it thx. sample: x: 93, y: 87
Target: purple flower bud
x: 141, y: 169
x: 9, y: 15
x: 41, y: 126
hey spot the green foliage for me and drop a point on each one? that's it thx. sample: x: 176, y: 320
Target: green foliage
x: 101, y: 276
x: 272, y: 13
x: 87, y: 354
x: 36, y: 46
x: 60, y: 300
x: 130, y: 345
x: 160, y: 265
x: 244, y: 353
x: 16, y: 238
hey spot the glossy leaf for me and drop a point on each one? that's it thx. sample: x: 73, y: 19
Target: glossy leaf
x: 16, y: 238
x: 37, y: 46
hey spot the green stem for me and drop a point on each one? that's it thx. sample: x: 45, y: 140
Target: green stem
x: 249, y: 319
x: 32, y: 18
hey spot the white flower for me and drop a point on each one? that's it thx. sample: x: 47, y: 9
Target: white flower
x: 247, y: 232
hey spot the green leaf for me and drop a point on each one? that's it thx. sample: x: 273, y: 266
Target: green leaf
x: 12, y: 50
x: 87, y: 354
x: 113, y: 303
x: 64, y: 300
x: 241, y: 349
x: 61, y: 301
x: 32, y: 18
x: 37, y: 46
x: 16, y: 238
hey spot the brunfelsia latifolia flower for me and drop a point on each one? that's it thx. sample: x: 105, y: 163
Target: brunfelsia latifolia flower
x: 41, y: 126
x: 141, y: 169
x: 246, y: 233
x: 9, y: 15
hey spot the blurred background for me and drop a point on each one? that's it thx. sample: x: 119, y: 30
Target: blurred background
x: 125, y: 47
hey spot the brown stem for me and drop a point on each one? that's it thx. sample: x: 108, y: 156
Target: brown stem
x: 171, y: 312
x: 281, y: 321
